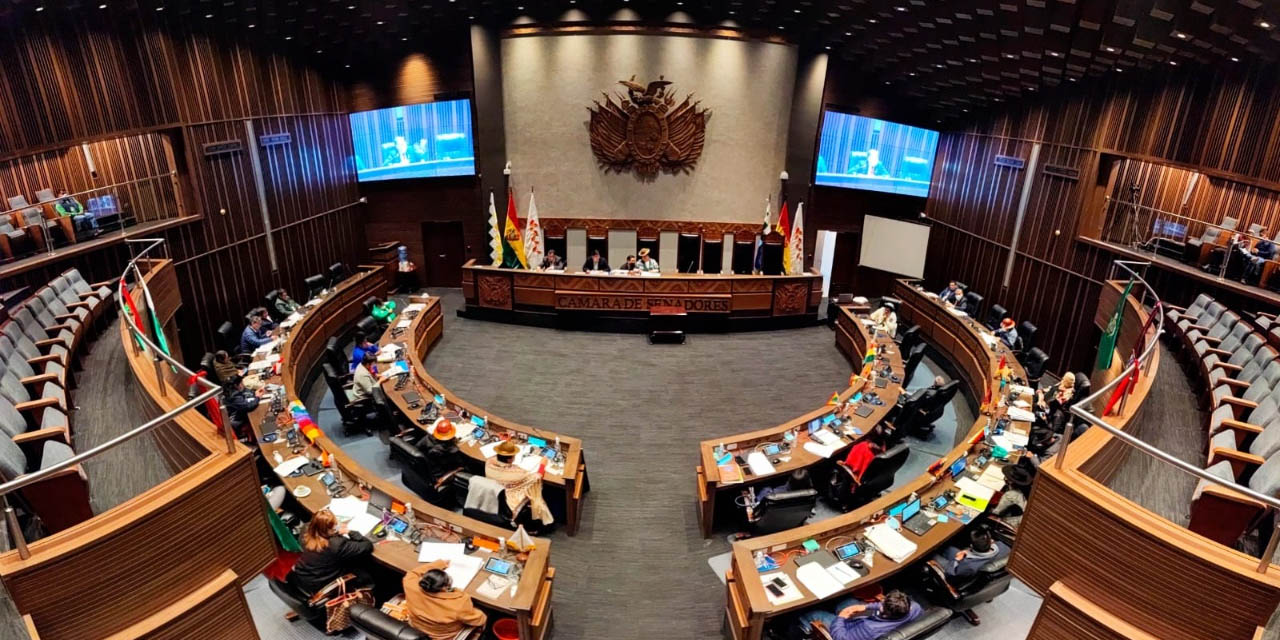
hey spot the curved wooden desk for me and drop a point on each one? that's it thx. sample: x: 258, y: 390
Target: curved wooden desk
x: 303, y: 348
x: 567, y: 481
x: 729, y: 300
x: 748, y: 607
x: 151, y: 553
x: 852, y: 337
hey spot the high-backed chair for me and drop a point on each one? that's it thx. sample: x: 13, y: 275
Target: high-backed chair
x: 417, y: 473
x: 334, y: 355
x: 1027, y: 335
x: 1035, y: 361
x: 1223, y: 515
x: 926, y: 624
x: 48, y: 204
x: 913, y: 362
x: 60, y: 500
x: 14, y: 240
x: 1175, y: 315
x: 1202, y: 321
x: 359, y: 415
x: 909, y: 338
x: 32, y: 217
x: 92, y: 306
x: 50, y: 371
x: 962, y: 594
x: 783, y: 510
x: 314, y: 284
x: 1198, y: 249
x: 995, y: 314
x: 918, y: 420
x: 505, y: 517
x: 26, y: 356
x: 33, y: 347
x: 337, y: 271
x: 40, y: 400
x: 848, y: 493
x: 310, y: 608
x: 269, y: 301
x: 376, y: 625
x: 971, y: 304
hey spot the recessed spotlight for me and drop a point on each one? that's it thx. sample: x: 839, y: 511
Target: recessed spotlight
x: 1173, y: 62
x: 796, y: 10
x: 900, y: 8
x: 828, y: 48
x: 252, y: 26
x: 1008, y: 55
x: 1111, y: 49
x: 159, y: 8
x: 39, y: 8
x: 938, y: 66
x: 1264, y: 24
x: 1053, y: 54
x: 1235, y: 59
x: 346, y: 66
x: 780, y: 27
x: 848, y: 33
x: 872, y: 20
x: 352, y: 7
x: 379, y: 22
x: 288, y: 37
x: 1119, y: 70
x: 404, y: 39
x: 911, y: 73
x: 886, y: 82
x: 1072, y: 79
x: 471, y: 17
x: 319, y: 50
x: 521, y: 8
x: 208, y: 15
x: 965, y: 110
x: 102, y: 6
x: 1180, y: 35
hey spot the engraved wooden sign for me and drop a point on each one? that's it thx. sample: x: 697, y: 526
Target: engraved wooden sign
x: 646, y: 131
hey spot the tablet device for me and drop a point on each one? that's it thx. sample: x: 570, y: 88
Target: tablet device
x: 478, y: 433
x: 772, y: 449
x: 958, y: 467
x: 863, y: 410
x: 939, y: 502
x: 537, y: 442
x: 477, y: 420
x: 814, y: 425
x: 412, y: 397
x: 882, y: 382
x: 848, y: 551
x: 499, y: 566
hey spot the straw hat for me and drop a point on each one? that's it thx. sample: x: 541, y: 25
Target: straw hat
x: 507, y: 448
x: 1007, y: 323
x: 443, y: 430
x: 644, y: 253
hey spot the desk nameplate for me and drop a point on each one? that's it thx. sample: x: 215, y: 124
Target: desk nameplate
x: 640, y: 303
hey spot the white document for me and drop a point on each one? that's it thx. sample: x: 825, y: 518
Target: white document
x: 464, y: 569
x: 363, y: 523
x: 258, y: 365
x: 819, y: 450
x: 759, y: 463
x: 289, y: 466
x: 826, y: 437
x: 432, y: 551
x: 493, y: 586
x: 1020, y: 415
x: 816, y: 579
x: 790, y: 592
x: 266, y: 347
x: 417, y: 306
x: 992, y: 478
x: 890, y: 542
x: 650, y: 274
x: 1021, y: 390
x: 956, y: 312
x: 490, y: 450
x: 346, y: 509
x: 403, y: 324
x: 841, y: 571
x: 860, y: 300
x: 989, y: 339
x: 529, y: 463
x: 971, y: 487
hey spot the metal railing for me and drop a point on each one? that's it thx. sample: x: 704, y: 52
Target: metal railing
x: 1143, y: 361
x: 160, y: 358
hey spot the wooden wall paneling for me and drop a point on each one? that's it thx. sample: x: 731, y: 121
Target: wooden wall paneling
x: 216, y: 610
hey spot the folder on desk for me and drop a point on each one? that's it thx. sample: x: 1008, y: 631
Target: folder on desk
x: 822, y: 451
x: 817, y: 580
x: 730, y: 472
x: 890, y: 542
x: 972, y: 494
x: 759, y: 463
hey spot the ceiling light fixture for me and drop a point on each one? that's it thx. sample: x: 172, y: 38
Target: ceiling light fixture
x: 1235, y: 59
x: 1173, y: 62
x: 39, y: 8
x: 1264, y: 24
x: 1111, y: 50
x: 252, y: 26
x: 848, y: 33
x: 159, y: 8
x: 288, y: 37
x: 102, y: 6
x: 900, y: 8
x: 1180, y: 35
x: 208, y: 15
x: 796, y: 10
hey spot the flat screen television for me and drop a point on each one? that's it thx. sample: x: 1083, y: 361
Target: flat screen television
x: 428, y: 140
x: 856, y: 152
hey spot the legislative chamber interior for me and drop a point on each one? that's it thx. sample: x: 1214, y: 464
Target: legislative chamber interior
x: 637, y: 319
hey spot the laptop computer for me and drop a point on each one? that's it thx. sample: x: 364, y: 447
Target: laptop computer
x: 863, y: 410
x: 379, y: 502
x: 914, y: 520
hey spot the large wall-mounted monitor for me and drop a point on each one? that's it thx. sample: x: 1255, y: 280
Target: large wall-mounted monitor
x: 857, y: 152
x: 428, y: 140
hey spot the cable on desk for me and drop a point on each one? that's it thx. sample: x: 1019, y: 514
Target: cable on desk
x: 829, y: 546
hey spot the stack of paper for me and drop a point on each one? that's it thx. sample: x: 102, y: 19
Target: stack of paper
x: 1020, y: 415
x: 650, y: 274
x: 489, y: 450
x: 259, y: 365
x: 972, y: 488
x: 888, y: 541
x: 289, y: 466
x: 417, y: 306
x: 403, y: 324
x: 759, y: 463
x: 363, y: 523
x: 346, y: 509
x: 992, y: 477
x: 822, y: 451
x: 826, y: 437
x: 841, y: 571
x: 817, y: 580
x: 956, y: 312
x: 266, y: 348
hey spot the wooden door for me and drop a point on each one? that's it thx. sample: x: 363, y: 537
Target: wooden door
x: 444, y: 250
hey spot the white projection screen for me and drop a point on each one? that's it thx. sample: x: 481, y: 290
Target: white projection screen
x: 894, y: 246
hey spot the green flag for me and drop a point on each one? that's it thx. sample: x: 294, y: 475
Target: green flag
x: 1107, y: 347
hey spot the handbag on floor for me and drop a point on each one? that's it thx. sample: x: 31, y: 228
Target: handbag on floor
x: 338, y: 607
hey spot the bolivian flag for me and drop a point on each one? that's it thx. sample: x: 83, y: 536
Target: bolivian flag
x: 871, y: 355
x: 835, y: 398
x: 784, y: 228
x: 512, y: 245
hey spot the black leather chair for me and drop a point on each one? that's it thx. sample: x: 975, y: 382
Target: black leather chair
x: 376, y: 625
x: 1027, y: 335
x: 356, y: 416
x: 269, y: 301
x: 909, y: 338
x: 337, y: 271
x: 1035, y: 361
x: 228, y: 339
x: 1084, y: 387
x: 416, y: 473
x: 299, y: 602
x: 961, y: 595
x: 315, y: 284
x: 913, y: 361
x: 783, y: 510
x: 371, y: 328
x: 973, y: 304
x: 917, y: 419
x: 206, y: 365
x: 504, y: 518
x: 847, y: 493
x: 335, y: 355
x: 994, y: 315
x: 930, y: 621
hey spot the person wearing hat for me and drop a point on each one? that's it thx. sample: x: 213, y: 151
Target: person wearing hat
x: 519, y: 483
x: 1013, y: 502
x: 1008, y: 332
x: 646, y: 263
x: 596, y: 262
x: 885, y: 319
x: 440, y: 446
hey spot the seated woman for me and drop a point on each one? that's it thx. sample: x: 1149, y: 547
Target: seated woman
x: 519, y: 483
x: 328, y: 552
x: 435, y: 607
x: 1053, y: 405
x: 857, y: 620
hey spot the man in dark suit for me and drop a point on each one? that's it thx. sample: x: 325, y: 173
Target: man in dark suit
x: 552, y: 261
x: 595, y: 262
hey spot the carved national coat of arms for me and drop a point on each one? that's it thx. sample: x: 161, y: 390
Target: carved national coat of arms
x: 647, y: 131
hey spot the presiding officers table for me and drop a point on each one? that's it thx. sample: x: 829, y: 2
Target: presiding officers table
x: 303, y: 340
x: 713, y: 301
x: 417, y: 329
x: 716, y: 493
x: 749, y: 607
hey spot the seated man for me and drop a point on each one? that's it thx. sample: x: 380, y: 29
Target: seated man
x: 1008, y: 332
x: 630, y: 264
x: 364, y: 380
x: 797, y: 481
x: 268, y: 322
x: 595, y: 263
x: 254, y: 335
x: 885, y: 319
x: 362, y: 347
x: 1263, y: 251
x: 966, y: 562
x: 952, y: 294
x: 435, y: 606
x: 441, y: 450
x: 68, y: 207
x: 552, y: 261
x: 646, y: 263
x: 858, y: 620
x: 285, y: 305
x: 223, y: 367
x: 520, y: 484
x: 240, y: 402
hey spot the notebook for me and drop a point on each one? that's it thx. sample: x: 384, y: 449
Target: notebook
x: 890, y: 542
